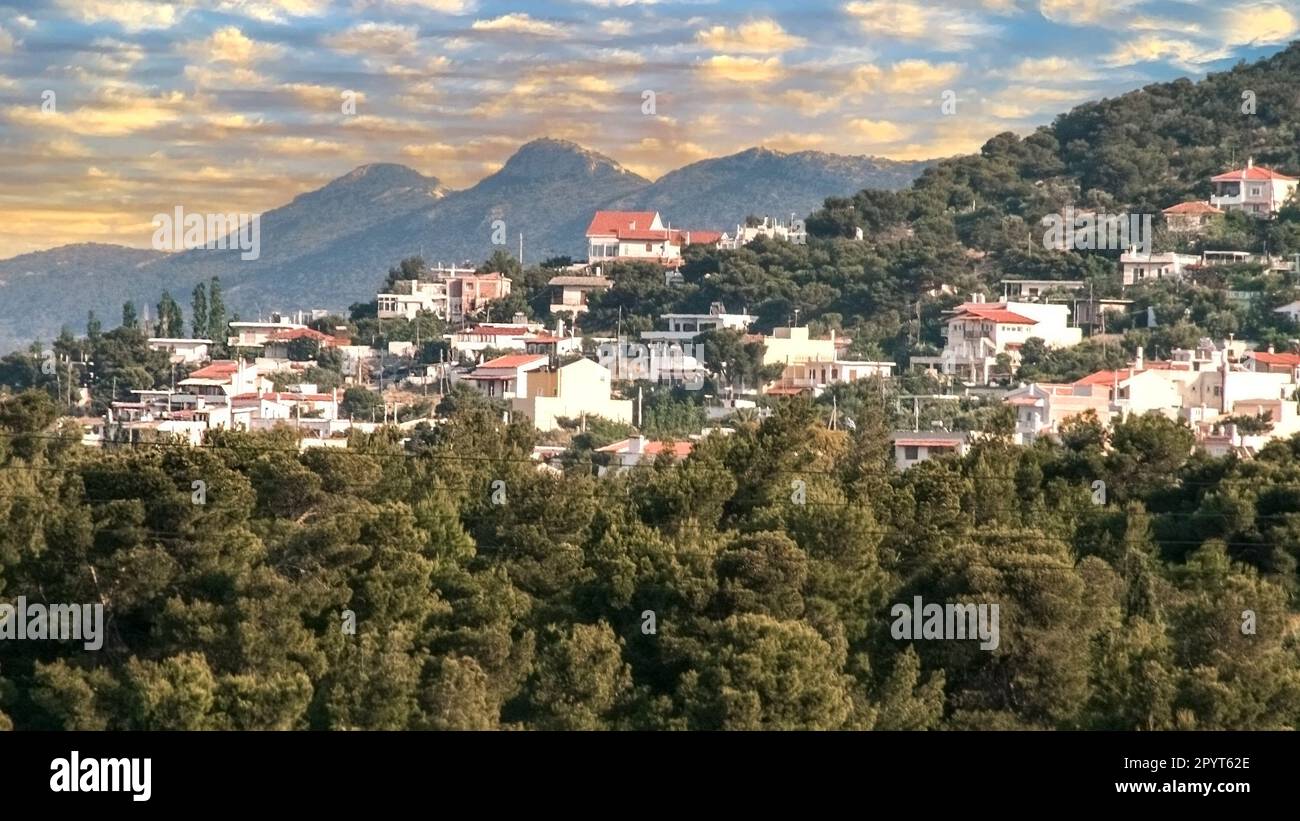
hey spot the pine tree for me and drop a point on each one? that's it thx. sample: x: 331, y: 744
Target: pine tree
x: 199, y: 311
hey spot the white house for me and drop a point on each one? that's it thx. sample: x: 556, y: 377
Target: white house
x: 914, y: 447
x: 629, y: 453
x: 631, y: 236
x: 685, y: 327
x: 182, y: 351
x: 978, y: 332
x: 1256, y: 190
x: 580, y: 388
x: 506, y: 377
x: 1139, y: 267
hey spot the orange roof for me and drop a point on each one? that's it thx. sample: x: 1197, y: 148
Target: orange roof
x: 1289, y: 359
x: 514, y: 360
x: 702, y: 237
x: 1193, y: 207
x: 613, y: 223
x: 999, y: 315
x: 680, y: 450
x: 1107, y: 377
x: 218, y: 369
x: 278, y: 396
x: 1252, y: 172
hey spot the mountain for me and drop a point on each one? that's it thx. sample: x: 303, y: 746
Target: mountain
x: 719, y: 193
x: 331, y: 247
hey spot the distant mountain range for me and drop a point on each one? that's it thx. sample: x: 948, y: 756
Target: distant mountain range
x: 331, y: 247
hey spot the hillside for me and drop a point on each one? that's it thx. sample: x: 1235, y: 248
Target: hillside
x: 329, y: 247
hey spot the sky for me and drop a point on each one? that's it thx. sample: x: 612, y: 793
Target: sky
x: 112, y: 111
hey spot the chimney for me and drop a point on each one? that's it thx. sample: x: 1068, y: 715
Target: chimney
x: 1250, y: 162
x: 1270, y: 347
x: 1140, y: 361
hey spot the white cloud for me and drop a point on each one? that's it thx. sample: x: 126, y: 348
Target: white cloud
x: 518, y: 23
x: 368, y: 38
x: 1259, y: 24
x: 6, y: 41
x: 131, y: 15
x: 1153, y: 48
x: 941, y: 28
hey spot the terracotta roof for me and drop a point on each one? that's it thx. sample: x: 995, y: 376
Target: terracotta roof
x: 652, y: 448
x: 998, y: 315
x: 514, y: 360
x: 1193, y: 207
x: 278, y: 396
x: 216, y: 370
x: 1289, y: 359
x: 1252, y: 172
x: 702, y: 237
x: 614, y: 222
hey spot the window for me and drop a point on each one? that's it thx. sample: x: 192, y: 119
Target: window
x: 910, y: 452
x: 649, y: 246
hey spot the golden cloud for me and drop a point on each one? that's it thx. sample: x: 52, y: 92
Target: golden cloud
x: 763, y: 36
x: 518, y: 23
x: 742, y: 69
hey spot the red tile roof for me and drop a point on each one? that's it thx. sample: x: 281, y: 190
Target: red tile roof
x: 613, y: 223
x: 1288, y: 359
x: 514, y: 360
x: 998, y: 315
x: 1252, y: 172
x: 218, y: 369
x: 702, y: 237
x: 499, y: 330
x: 1193, y: 207
x: 680, y: 450
x: 299, y: 333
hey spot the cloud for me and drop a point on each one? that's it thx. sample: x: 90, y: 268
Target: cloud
x: 763, y: 36
x: 274, y: 11
x: 880, y: 131
x: 1259, y: 24
x: 1086, y: 12
x: 616, y: 28
x: 941, y: 28
x: 113, y: 113
x: 229, y: 45
x: 6, y: 41
x: 518, y: 23
x: 373, y: 38
x: 1154, y: 48
x: 1049, y: 69
x: 742, y: 69
x: 905, y: 76
x: 442, y: 6
x: 131, y: 15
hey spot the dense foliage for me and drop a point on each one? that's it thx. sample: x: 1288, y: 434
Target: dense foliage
x: 701, y: 595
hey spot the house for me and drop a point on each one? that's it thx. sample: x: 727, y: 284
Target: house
x: 224, y: 378
x: 1042, y: 407
x: 553, y: 345
x: 254, y: 334
x: 277, y: 343
x: 410, y: 297
x: 630, y: 452
x: 1136, y: 266
x: 1191, y: 217
x: 493, y: 336
x: 793, y: 231
x: 978, y: 332
x: 1271, y: 362
x: 1019, y: 289
x: 914, y: 447
x: 506, y: 377
x: 569, y: 294
x: 1291, y: 310
x: 1256, y: 190
x: 640, y: 236
x: 815, y: 375
x: 453, y: 295
x: 580, y: 388
x: 181, y: 351
x: 685, y: 327
x: 787, y: 346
